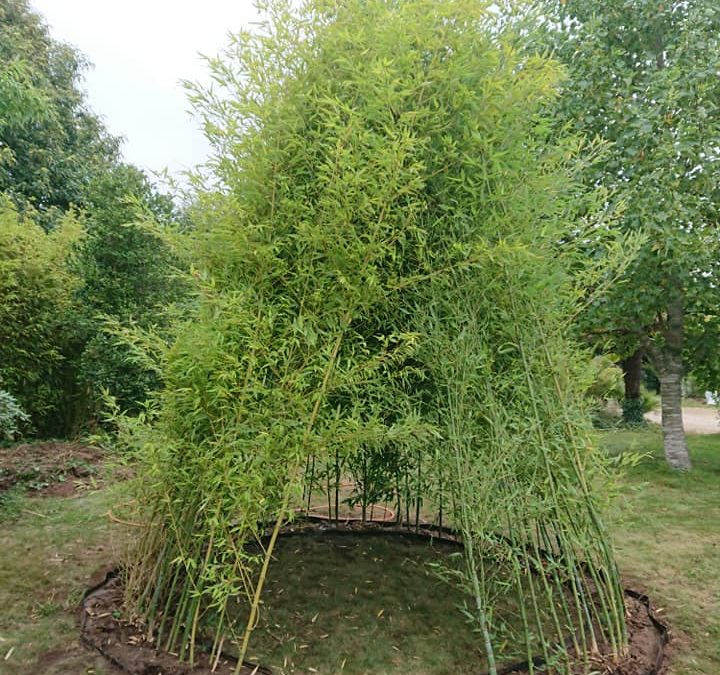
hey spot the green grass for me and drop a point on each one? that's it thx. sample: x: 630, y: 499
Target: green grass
x: 668, y: 541
x: 667, y: 537
x: 49, y: 549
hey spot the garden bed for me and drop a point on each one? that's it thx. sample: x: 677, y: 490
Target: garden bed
x: 352, y: 599
x: 51, y: 468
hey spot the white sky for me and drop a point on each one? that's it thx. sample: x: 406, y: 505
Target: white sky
x: 141, y: 49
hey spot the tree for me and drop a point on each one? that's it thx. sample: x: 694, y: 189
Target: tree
x: 51, y: 144
x: 127, y: 278
x: 55, y: 155
x: 643, y: 76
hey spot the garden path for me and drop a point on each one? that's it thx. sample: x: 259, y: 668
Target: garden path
x: 703, y: 420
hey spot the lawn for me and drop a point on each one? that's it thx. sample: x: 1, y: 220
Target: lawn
x: 668, y: 542
x: 49, y: 550
x: 357, y: 604
x: 667, y: 535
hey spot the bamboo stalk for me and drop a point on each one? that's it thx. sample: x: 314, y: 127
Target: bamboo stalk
x: 285, y: 502
x: 337, y: 484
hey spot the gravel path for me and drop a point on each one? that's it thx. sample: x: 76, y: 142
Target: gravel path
x: 695, y: 420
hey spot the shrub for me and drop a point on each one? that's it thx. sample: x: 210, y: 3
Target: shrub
x: 649, y: 399
x: 607, y: 380
x: 128, y: 279
x: 381, y: 294
x: 12, y: 417
x: 36, y: 290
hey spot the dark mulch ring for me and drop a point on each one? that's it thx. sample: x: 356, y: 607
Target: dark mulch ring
x: 50, y: 468
x: 126, y: 646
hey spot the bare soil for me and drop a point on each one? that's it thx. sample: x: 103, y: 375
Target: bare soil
x: 50, y: 469
x: 126, y: 646
x: 648, y: 638
x: 75, y: 660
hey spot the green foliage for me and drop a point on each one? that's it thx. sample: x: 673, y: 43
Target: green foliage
x: 61, y: 290
x: 650, y: 400
x: 633, y: 410
x: 381, y: 291
x: 12, y: 417
x: 36, y: 288
x: 51, y: 145
x: 21, y: 102
x: 643, y: 77
x: 127, y: 278
x: 55, y: 155
x: 607, y: 382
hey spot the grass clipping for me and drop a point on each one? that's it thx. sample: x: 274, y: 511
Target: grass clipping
x: 381, y: 294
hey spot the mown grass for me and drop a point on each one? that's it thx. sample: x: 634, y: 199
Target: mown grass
x: 668, y: 541
x: 667, y: 537
x: 49, y: 550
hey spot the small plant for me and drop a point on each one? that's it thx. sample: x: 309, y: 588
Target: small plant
x: 607, y: 380
x: 12, y: 417
x: 634, y: 409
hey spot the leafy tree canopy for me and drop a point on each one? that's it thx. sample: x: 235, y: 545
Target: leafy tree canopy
x: 55, y: 154
x: 51, y: 144
x: 643, y: 75
x: 127, y: 278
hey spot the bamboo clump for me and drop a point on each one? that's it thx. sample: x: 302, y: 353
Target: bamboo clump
x: 382, y: 304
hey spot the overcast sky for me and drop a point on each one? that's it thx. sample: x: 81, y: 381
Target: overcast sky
x: 141, y: 49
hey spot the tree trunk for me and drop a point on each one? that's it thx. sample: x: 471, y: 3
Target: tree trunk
x: 632, y: 403
x: 671, y: 373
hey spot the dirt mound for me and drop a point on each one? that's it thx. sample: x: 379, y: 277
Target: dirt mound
x: 50, y: 468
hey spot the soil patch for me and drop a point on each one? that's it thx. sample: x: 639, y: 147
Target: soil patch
x: 53, y: 469
x: 648, y: 638
x: 73, y: 661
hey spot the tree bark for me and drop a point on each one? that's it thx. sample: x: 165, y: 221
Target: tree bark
x: 671, y: 373
x: 632, y: 403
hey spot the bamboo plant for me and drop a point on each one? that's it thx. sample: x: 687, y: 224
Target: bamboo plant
x: 380, y: 296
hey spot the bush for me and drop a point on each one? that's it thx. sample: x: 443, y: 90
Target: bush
x: 607, y: 380
x: 106, y: 364
x: 36, y: 297
x: 634, y: 409
x: 633, y: 412
x: 650, y: 400
x: 128, y: 278
x: 12, y: 417
x: 380, y: 294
